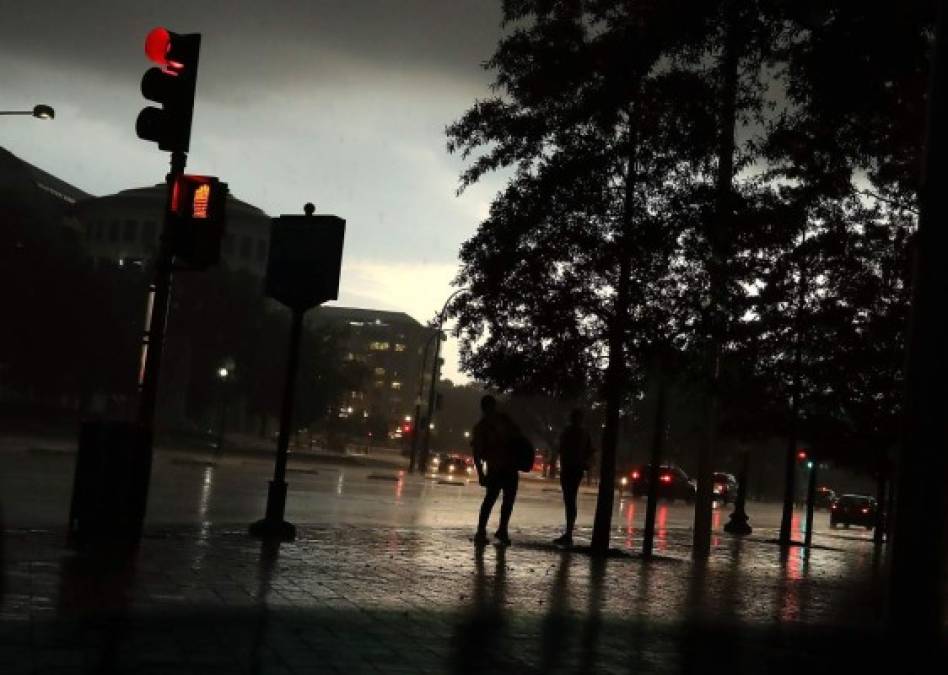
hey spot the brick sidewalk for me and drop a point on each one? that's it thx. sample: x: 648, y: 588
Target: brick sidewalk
x: 360, y: 600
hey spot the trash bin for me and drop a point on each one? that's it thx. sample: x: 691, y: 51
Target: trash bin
x: 110, y: 484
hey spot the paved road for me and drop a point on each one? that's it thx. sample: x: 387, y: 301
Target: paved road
x: 383, y: 578
x: 189, y: 489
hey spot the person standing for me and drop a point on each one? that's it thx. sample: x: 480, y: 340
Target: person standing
x: 575, y: 452
x: 491, y: 445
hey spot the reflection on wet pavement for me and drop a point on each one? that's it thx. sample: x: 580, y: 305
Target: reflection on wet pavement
x: 419, y: 598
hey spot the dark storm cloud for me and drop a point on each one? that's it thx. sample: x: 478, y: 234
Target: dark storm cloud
x: 253, y: 44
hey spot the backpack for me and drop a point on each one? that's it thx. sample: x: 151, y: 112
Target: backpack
x: 523, y: 453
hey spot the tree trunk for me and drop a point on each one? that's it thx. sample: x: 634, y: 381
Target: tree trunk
x: 916, y: 592
x: 717, y: 238
x: 796, y: 392
x: 615, y: 373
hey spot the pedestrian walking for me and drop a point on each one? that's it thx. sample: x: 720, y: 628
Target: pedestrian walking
x: 492, y: 445
x: 575, y: 453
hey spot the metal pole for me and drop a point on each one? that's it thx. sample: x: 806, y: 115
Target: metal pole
x: 432, y: 390
x: 658, y: 436
x: 796, y: 391
x: 435, y: 373
x: 417, y: 418
x: 878, y: 534
x: 154, y: 337
x: 273, y: 524
x: 810, y: 499
x: 223, y: 421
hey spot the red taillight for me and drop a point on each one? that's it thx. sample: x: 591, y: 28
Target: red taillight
x: 833, y: 507
x: 865, y: 510
x: 635, y: 475
x: 665, y: 478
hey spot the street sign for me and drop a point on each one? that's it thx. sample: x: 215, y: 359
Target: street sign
x: 305, y: 260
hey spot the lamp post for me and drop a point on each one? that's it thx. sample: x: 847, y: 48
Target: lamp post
x: 435, y: 370
x: 39, y: 111
x: 417, y: 419
x: 223, y: 373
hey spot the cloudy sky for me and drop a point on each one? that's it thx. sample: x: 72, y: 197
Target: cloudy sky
x: 338, y: 102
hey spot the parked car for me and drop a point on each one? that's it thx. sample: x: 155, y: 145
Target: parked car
x: 453, y: 465
x: 673, y: 483
x: 724, y: 487
x: 853, y: 510
x: 824, y: 498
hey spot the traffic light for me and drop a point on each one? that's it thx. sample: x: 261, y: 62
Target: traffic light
x: 801, y: 455
x: 197, y: 219
x: 172, y: 85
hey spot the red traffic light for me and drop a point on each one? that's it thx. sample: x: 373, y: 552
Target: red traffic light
x: 157, y: 45
x: 197, y: 211
x: 171, y: 85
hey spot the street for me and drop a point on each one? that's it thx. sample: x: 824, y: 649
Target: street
x: 383, y: 577
x: 195, y: 489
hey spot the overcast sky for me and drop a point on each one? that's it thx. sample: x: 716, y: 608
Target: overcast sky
x: 342, y: 103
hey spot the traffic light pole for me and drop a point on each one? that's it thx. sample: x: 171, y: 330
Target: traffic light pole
x: 153, y: 344
x: 432, y: 392
x: 273, y: 526
x: 810, y: 502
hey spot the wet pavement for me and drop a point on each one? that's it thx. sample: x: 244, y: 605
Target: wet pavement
x: 384, y: 578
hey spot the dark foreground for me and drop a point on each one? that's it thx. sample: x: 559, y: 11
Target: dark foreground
x: 362, y: 600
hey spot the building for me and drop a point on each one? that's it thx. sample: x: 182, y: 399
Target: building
x: 124, y: 228
x: 32, y: 197
x: 392, y: 347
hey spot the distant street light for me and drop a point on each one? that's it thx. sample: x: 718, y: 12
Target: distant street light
x: 435, y: 373
x: 223, y: 373
x: 40, y: 111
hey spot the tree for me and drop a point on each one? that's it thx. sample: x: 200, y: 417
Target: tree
x: 567, y: 272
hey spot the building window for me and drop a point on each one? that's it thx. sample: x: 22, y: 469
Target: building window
x: 380, y: 372
x: 246, y: 246
x: 399, y: 347
x: 378, y: 346
x: 114, y: 229
x: 379, y: 384
x: 149, y: 232
x: 131, y: 231
x: 261, y: 250
x: 396, y: 385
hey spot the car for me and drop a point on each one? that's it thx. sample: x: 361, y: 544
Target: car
x: 673, y: 483
x: 824, y: 498
x: 724, y: 487
x: 853, y: 510
x: 453, y: 465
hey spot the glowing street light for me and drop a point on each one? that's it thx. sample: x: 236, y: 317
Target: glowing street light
x: 40, y: 111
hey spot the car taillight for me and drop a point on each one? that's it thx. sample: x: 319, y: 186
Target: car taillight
x: 666, y: 478
x: 833, y: 507
x: 635, y: 475
x: 865, y: 510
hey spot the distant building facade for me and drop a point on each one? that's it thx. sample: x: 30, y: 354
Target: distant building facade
x: 34, y: 197
x: 391, y: 346
x: 124, y: 228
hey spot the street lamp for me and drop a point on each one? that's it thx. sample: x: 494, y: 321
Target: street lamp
x: 40, y: 111
x: 435, y: 370
x: 222, y: 373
